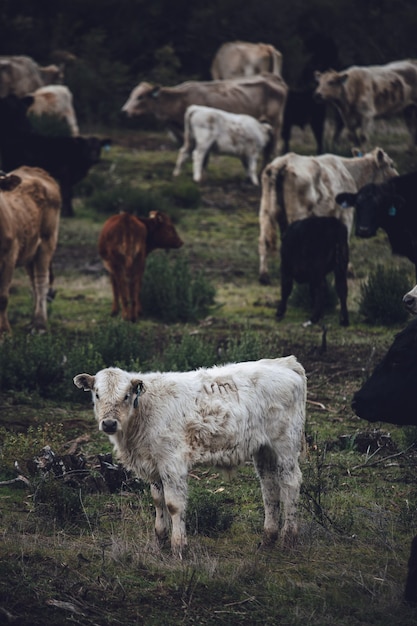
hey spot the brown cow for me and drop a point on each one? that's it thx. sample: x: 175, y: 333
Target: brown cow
x: 30, y: 203
x: 362, y: 94
x: 295, y: 187
x: 263, y: 97
x: 124, y: 243
x: 19, y: 75
x: 236, y: 59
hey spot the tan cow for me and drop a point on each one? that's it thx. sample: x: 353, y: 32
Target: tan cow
x: 236, y: 59
x: 263, y: 97
x: 124, y: 243
x: 295, y: 187
x: 20, y: 75
x: 362, y: 94
x: 30, y: 203
x: 55, y: 100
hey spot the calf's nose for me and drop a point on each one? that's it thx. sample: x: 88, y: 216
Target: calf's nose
x: 409, y: 301
x: 109, y: 426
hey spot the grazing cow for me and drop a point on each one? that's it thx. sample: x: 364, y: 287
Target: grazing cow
x: 206, y: 129
x: 302, y: 108
x: 410, y: 300
x: 389, y: 396
x: 391, y: 206
x: 295, y: 187
x: 262, y: 97
x: 362, y: 94
x: 162, y: 424
x: 124, y: 243
x: 19, y: 75
x: 68, y: 159
x: 54, y: 100
x: 236, y: 59
x: 30, y: 204
x: 310, y: 249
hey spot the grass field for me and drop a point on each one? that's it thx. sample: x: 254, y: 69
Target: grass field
x: 72, y: 555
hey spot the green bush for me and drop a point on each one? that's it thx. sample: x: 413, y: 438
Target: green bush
x: 124, y: 198
x: 189, y: 353
x: 55, y: 501
x: 381, y: 296
x: 171, y: 293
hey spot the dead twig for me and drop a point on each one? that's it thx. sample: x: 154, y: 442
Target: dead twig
x: 379, y: 461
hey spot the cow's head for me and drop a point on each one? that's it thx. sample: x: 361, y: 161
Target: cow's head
x: 390, y: 394
x: 161, y: 232
x: 376, y: 205
x: 115, y: 397
x: 141, y: 99
x: 330, y: 85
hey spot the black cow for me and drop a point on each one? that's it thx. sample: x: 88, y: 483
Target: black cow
x: 390, y: 395
x: 391, y: 206
x: 310, y: 249
x: 301, y: 109
x: 68, y: 159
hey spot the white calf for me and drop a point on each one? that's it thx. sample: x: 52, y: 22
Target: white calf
x: 162, y: 424
x: 239, y: 135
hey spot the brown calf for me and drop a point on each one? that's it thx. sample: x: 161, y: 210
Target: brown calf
x: 124, y: 243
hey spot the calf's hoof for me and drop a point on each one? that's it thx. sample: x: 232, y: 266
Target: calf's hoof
x: 264, y: 278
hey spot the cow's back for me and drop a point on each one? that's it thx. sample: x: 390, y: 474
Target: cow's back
x: 19, y: 75
x: 121, y: 241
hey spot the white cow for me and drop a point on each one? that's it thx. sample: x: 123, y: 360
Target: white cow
x: 410, y: 300
x: 162, y: 424
x: 54, y: 100
x: 240, y: 135
x: 295, y: 187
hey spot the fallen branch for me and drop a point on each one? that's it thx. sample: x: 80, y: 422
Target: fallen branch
x: 378, y: 461
x: 18, y: 479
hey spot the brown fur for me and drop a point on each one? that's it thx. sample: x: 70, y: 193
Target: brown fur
x: 124, y: 243
x: 29, y: 223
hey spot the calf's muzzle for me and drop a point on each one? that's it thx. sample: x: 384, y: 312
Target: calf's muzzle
x: 109, y: 426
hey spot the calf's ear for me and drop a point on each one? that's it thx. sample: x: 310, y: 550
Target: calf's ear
x: 346, y: 200
x: 137, y: 389
x: 9, y: 182
x: 84, y: 381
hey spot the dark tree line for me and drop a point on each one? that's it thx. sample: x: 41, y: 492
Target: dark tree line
x: 117, y: 43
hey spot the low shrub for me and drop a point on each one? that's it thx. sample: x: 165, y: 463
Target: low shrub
x: 110, y: 200
x: 171, y: 293
x: 382, y: 294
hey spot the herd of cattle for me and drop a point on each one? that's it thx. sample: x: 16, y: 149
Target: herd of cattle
x: 248, y: 410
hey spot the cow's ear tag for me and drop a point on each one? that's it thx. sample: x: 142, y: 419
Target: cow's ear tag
x: 392, y: 211
x: 139, y: 390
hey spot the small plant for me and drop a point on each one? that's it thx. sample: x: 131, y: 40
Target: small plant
x: 381, y: 296
x: 23, y: 447
x: 171, y: 293
x: 54, y: 501
x: 124, y: 198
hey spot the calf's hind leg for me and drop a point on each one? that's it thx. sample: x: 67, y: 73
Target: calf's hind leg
x: 280, y: 480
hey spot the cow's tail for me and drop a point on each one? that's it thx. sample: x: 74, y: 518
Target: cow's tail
x: 272, y: 177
